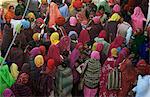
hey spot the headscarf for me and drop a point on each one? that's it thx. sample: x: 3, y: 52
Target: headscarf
x: 9, y: 15
x: 36, y: 36
x: 51, y: 64
x: 75, y: 54
x: 64, y: 43
x: 8, y: 93
x: 73, y: 33
x: 39, y: 60
x: 84, y: 37
x: 116, y: 8
x: 77, y: 4
x: 40, y: 20
x: 42, y: 49
x: 137, y: 19
x: 118, y: 41
x: 122, y: 55
x: 94, y: 46
x: 115, y: 17
x: 35, y: 51
x: 102, y: 34
x: 95, y: 55
x: 54, y: 53
x: 99, y: 47
x: 54, y: 38
x: 73, y: 21
x: 14, y: 70
x: 31, y: 16
x: 114, y: 52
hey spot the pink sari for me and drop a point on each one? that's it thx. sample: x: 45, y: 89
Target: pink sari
x: 137, y: 19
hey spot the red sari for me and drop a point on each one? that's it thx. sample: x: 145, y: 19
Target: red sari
x: 107, y: 67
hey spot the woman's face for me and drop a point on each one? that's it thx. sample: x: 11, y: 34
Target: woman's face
x: 11, y: 9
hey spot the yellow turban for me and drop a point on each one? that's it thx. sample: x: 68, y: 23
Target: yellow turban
x: 115, y: 17
x: 14, y: 70
x: 39, y: 60
x: 114, y: 52
x: 54, y: 38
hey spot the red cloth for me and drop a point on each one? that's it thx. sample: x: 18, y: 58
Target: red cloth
x: 99, y: 47
x: 60, y: 21
x: 118, y: 41
x: 84, y: 37
x: 107, y: 67
x: 40, y: 20
x: 51, y: 64
x: 42, y: 49
x: 53, y: 53
x: 77, y: 4
x: 129, y: 76
x: 122, y: 55
x: 102, y: 34
x: 64, y: 44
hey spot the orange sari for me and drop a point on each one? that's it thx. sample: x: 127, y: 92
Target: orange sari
x: 54, y: 13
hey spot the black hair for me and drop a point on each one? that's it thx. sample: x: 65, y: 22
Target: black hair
x: 11, y: 6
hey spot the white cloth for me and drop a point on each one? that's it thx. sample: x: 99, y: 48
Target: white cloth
x: 128, y: 36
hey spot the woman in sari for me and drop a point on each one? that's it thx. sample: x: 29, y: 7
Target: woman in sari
x: 54, y: 13
x: 111, y: 27
x: 106, y: 68
x: 137, y: 19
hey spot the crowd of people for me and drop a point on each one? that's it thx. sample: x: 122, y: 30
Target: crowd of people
x: 74, y: 48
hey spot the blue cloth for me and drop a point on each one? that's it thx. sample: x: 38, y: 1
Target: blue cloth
x: 64, y: 11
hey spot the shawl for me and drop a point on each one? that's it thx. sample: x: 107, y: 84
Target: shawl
x: 92, y: 73
x: 84, y: 37
x: 64, y: 11
x: 64, y: 44
x: 106, y: 44
x: 54, y: 13
x: 54, y: 53
x: 6, y: 79
x: 115, y: 17
x: 137, y: 19
x: 54, y: 38
x: 35, y: 51
x: 8, y: 93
